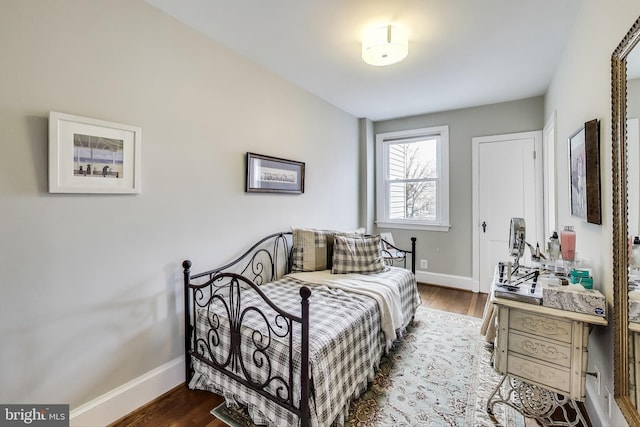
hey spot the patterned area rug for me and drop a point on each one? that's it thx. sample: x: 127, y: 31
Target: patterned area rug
x: 439, y: 374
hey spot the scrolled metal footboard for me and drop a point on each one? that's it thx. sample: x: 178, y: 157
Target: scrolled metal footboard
x: 251, y: 363
x: 221, y: 345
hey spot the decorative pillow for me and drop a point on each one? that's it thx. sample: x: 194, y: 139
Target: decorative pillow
x: 309, y: 250
x: 331, y: 239
x: 313, y: 249
x: 357, y: 255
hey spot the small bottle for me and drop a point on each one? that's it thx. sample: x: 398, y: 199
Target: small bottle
x: 568, y: 243
x: 553, y: 246
x: 635, y: 252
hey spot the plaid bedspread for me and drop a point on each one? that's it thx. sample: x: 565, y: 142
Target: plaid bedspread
x: 345, y: 346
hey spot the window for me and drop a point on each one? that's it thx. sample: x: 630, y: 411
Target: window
x: 412, y: 170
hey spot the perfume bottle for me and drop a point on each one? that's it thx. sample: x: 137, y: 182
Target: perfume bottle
x: 635, y: 252
x: 568, y: 243
x: 553, y: 247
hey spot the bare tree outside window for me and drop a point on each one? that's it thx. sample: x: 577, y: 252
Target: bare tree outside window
x: 413, y: 177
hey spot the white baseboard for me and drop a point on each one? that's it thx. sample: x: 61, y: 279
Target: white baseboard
x: 121, y: 401
x: 457, y: 282
x: 597, y: 406
x: 597, y: 414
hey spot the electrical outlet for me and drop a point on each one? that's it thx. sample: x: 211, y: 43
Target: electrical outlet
x: 609, y: 399
x: 424, y: 264
x: 598, y: 380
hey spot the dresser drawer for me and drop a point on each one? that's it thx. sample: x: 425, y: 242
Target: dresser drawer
x: 554, y: 378
x: 537, y: 348
x: 544, y: 326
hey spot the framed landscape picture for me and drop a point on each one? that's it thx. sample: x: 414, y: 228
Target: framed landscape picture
x: 93, y: 156
x: 266, y: 174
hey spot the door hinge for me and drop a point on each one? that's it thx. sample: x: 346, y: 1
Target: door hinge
x: 534, y: 154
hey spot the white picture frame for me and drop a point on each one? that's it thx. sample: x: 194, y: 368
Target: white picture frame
x: 93, y: 156
x: 578, y: 174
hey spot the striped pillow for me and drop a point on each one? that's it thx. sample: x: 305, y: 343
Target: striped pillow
x: 313, y: 249
x: 357, y: 255
x: 309, y: 251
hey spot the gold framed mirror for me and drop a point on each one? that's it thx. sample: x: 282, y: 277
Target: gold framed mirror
x: 624, y: 384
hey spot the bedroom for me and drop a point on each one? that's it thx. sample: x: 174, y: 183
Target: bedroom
x: 92, y: 284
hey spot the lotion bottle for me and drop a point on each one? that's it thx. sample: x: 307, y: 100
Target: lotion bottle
x: 568, y: 243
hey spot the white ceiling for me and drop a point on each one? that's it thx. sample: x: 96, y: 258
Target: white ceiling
x: 462, y: 53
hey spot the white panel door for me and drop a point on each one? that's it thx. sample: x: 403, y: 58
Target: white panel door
x: 509, y: 185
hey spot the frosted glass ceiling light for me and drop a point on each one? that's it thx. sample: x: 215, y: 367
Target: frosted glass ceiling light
x: 385, y: 45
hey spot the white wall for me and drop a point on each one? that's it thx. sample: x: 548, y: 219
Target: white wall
x: 91, y: 284
x: 581, y: 91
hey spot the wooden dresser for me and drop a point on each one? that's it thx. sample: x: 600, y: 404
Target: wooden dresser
x: 542, y: 354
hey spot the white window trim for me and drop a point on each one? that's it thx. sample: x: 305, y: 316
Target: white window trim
x: 443, y: 168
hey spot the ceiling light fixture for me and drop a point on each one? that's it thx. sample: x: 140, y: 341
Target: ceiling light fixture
x: 385, y: 45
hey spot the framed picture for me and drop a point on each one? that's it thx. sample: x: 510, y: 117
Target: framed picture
x: 578, y: 174
x: 266, y: 174
x: 93, y: 156
x: 592, y: 158
x: 584, y: 172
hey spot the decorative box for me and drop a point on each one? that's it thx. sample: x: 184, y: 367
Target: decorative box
x: 582, y: 277
x: 575, y: 298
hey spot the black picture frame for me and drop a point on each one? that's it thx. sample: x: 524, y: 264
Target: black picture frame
x: 267, y: 174
x: 584, y: 172
x: 592, y: 155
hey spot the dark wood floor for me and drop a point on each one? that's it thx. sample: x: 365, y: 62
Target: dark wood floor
x: 182, y: 407
x: 453, y: 300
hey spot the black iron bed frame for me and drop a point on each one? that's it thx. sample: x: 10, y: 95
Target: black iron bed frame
x: 267, y: 260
